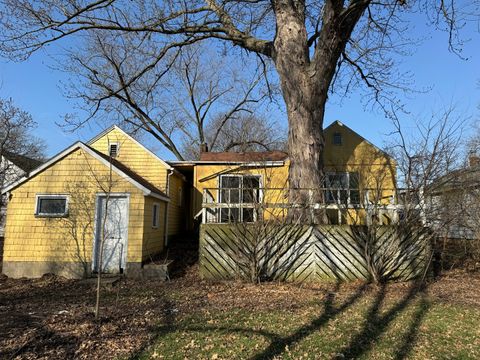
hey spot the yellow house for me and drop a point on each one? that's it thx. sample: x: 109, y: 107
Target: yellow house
x: 111, y: 197
x: 112, y: 205
x: 228, y: 187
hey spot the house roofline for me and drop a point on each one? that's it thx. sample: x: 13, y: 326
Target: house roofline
x: 87, y: 149
x: 360, y: 136
x: 113, y: 127
x: 245, y: 163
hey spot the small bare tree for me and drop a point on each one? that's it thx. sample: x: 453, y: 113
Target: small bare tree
x: 82, y: 224
x: 428, y: 153
x: 456, y: 196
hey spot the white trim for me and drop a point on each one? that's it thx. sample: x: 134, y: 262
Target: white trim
x: 115, y: 127
x: 240, y: 190
x: 80, y: 145
x: 52, y: 196
x: 244, y: 163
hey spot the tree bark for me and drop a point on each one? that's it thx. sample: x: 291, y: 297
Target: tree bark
x: 305, y: 105
x: 305, y: 83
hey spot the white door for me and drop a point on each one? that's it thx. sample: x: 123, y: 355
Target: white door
x: 112, y: 226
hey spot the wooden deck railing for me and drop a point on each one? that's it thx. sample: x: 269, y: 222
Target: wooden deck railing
x: 225, y: 205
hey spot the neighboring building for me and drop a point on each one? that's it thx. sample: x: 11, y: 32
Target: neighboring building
x: 453, y: 202
x: 56, y: 211
x: 12, y: 167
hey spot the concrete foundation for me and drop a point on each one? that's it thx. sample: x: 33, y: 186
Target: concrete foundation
x: 36, y: 269
x: 77, y: 270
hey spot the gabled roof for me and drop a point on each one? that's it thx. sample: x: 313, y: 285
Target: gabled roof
x: 458, y: 179
x: 126, y: 173
x: 338, y: 122
x: 23, y: 162
x: 250, y: 156
x: 115, y: 127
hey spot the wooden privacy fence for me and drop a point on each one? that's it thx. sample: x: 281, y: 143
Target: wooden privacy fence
x: 311, y: 252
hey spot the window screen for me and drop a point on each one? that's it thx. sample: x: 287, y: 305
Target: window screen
x: 243, y: 190
x: 51, y: 205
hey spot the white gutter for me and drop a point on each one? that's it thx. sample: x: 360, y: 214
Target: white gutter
x: 244, y: 163
x: 167, y: 205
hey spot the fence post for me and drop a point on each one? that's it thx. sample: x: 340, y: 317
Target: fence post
x: 423, y: 217
x: 204, y: 209
x: 310, y: 205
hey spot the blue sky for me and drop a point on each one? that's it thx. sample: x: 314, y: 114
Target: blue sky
x: 34, y: 86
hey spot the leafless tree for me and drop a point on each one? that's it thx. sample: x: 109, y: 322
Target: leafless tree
x: 456, y: 196
x: 197, y: 91
x: 312, y: 45
x: 424, y: 155
x: 244, y: 133
x: 82, y: 219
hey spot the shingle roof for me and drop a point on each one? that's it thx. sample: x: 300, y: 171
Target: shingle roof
x: 23, y: 162
x: 243, y: 156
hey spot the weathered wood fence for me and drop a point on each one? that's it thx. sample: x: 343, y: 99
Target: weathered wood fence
x: 310, y: 252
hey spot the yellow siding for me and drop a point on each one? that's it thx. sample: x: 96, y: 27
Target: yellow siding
x: 376, y: 171
x: 70, y: 239
x: 154, y: 238
x: 206, y: 176
x: 176, y: 210
x: 135, y: 157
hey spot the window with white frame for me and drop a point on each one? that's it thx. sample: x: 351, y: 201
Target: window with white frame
x: 241, y: 192
x: 51, y: 206
x: 155, y: 215
x: 113, y: 149
x: 342, y: 188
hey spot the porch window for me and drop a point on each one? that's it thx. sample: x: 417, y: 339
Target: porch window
x: 51, y: 206
x: 342, y: 188
x: 241, y: 193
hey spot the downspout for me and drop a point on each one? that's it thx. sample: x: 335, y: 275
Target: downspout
x: 169, y: 173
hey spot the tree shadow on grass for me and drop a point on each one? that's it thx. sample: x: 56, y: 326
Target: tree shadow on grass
x: 277, y: 343
x: 277, y: 346
x: 375, y: 324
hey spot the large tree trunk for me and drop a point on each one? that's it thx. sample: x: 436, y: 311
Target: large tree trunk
x: 305, y: 102
x: 305, y: 83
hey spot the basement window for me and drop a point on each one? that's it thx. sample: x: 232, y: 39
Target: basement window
x: 155, y: 215
x: 51, y: 206
x: 113, y: 149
